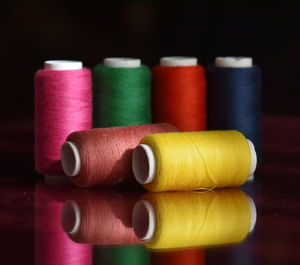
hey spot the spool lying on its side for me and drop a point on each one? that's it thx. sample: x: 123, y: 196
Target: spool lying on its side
x: 203, y: 161
x: 102, y: 156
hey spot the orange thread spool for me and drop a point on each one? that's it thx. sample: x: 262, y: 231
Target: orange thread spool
x: 179, y: 93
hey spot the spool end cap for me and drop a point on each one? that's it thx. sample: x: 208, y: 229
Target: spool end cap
x: 143, y: 164
x: 60, y: 65
x: 178, y: 61
x: 143, y: 220
x: 70, y: 159
x: 122, y: 62
x: 70, y: 217
x: 234, y: 62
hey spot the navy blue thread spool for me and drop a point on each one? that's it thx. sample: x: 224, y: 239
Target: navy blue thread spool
x: 234, y: 97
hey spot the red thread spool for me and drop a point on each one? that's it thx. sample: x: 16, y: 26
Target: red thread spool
x: 52, y: 245
x: 63, y: 104
x: 179, y: 93
x: 194, y: 256
x: 103, y: 157
x: 100, y: 217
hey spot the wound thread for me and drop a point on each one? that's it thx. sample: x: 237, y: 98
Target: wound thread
x: 105, y: 154
x: 193, y: 256
x: 179, y: 93
x: 63, y: 104
x: 122, y: 255
x: 52, y: 245
x: 199, y: 218
x: 194, y: 160
x: 100, y: 217
x: 234, y: 97
x: 121, y: 93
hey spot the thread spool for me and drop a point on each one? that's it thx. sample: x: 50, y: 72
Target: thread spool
x: 179, y: 93
x: 102, y: 157
x: 100, y: 217
x: 63, y: 104
x: 193, y: 256
x: 121, y: 255
x: 193, y: 160
x: 121, y: 93
x: 52, y: 245
x: 234, y: 99
x: 200, y: 219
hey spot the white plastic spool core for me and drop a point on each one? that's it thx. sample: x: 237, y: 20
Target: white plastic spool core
x: 253, y: 159
x: 70, y: 159
x: 122, y: 62
x: 60, y: 65
x: 144, y: 163
x: 233, y: 62
x: 253, y: 214
x: 144, y: 219
x: 70, y: 217
x: 178, y: 61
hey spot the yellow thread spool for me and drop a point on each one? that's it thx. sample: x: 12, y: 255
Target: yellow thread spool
x: 189, y: 219
x: 193, y: 160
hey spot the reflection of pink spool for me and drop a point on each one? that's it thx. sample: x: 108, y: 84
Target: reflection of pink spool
x: 100, y: 217
x: 52, y: 245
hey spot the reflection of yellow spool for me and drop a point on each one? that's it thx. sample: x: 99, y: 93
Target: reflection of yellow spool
x: 187, y: 219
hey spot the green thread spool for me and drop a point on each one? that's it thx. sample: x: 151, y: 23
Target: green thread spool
x: 121, y: 255
x: 121, y: 93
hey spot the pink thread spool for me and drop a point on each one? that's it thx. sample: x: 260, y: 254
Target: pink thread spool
x: 63, y: 104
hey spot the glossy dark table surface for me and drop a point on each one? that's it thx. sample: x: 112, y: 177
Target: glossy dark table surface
x: 25, y: 219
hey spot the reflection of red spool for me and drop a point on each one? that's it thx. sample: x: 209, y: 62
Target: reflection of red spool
x: 180, y: 257
x: 16, y: 222
x: 52, y: 245
x: 101, y: 217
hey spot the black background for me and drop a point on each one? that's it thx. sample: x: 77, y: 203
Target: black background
x: 33, y: 31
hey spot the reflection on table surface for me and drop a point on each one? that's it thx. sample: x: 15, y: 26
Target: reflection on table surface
x: 33, y: 232
x: 60, y: 224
